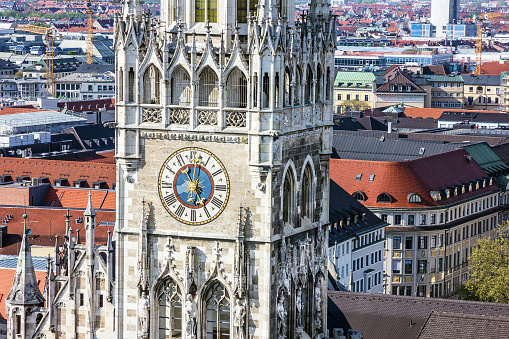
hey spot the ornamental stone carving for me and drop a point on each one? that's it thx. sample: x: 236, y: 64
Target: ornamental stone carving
x: 178, y: 116
x: 153, y: 115
x: 207, y: 118
x: 235, y: 119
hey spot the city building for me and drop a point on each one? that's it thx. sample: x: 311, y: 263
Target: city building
x: 396, y: 89
x: 356, y: 243
x: 436, y: 214
x: 446, y: 90
x: 353, y: 90
x: 482, y: 92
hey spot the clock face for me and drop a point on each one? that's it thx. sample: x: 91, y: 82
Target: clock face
x: 193, y: 186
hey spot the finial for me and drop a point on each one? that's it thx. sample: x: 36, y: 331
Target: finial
x: 25, y: 216
x: 207, y: 26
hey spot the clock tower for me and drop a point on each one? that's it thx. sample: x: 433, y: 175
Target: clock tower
x: 224, y: 131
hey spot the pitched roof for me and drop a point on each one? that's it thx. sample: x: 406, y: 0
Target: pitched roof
x: 384, y: 316
x: 434, y: 113
x: 46, y: 223
x: 473, y: 117
x: 55, y: 169
x: 352, y: 79
x: 400, y: 79
x: 481, y: 80
x: 494, y: 68
x: 348, y: 145
x: 71, y: 197
x: 422, y: 176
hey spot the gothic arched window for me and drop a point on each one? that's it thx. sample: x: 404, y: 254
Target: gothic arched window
x: 309, y: 85
x: 307, y: 190
x: 236, y: 89
x: 327, y: 86
x: 120, y: 85
x: 170, y: 310
x: 217, y: 312
x: 180, y: 87
x: 298, y: 86
x: 318, y: 87
x: 208, y: 91
x: 288, y: 196
x: 151, y: 80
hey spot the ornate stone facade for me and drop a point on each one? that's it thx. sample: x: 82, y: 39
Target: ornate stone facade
x: 246, y: 83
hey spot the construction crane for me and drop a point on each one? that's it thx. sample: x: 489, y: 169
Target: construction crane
x: 48, y: 33
x: 90, y: 41
x: 478, y: 43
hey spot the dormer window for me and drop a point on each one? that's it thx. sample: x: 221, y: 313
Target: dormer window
x: 359, y: 196
x: 384, y: 198
x: 400, y: 88
x: 456, y: 192
x: 391, y: 88
x: 447, y: 193
x: 470, y: 187
x: 463, y: 189
x: 358, y: 177
x: 414, y: 198
x: 408, y: 88
x: 477, y: 185
x: 491, y: 181
x: 371, y: 177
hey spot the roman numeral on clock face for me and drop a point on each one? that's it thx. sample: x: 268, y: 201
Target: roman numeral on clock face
x: 216, y: 202
x: 221, y: 188
x: 180, y: 211
x: 170, y: 199
x: 206, y: 211
x: 165, y: 184
x: 193, y: 215
x: 219, y: 171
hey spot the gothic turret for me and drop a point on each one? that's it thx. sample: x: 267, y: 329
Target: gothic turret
x: 25, y: 295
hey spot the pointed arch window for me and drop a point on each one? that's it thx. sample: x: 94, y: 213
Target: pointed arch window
x: 217, y: 312
x: 309, y: 83
x: 288, y: 196
x: 151, y: 83
x: 208, y: 91
x: 318, y: 86
x: 120, y: 85
x: 180, y: 87
x: 298, y: 86
x: 170, y: 310
x: 327, y: 88
x: 307, y: 190
x: 236, y: 89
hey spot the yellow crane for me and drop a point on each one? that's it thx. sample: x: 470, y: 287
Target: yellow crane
x: 48, y: 33
x: 478, y: 43
x: 90, y: 41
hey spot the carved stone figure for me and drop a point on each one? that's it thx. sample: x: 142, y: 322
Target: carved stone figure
x: 239, y: 316
x: 298, y: 306
x: 190, y: 317
x: 318, y: 303
x: 144, y: 310
x: 281, y: 316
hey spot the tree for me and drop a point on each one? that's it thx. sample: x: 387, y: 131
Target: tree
x: 489, y: 268
x: 354, y: 105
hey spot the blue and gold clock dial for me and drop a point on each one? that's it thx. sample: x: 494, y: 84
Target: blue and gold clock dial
x: 193, y: 186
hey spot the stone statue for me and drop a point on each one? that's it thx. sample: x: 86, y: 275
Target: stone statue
x: 318, y: 303
x: 281, y: 316
x: 190, y: 317
x: 298, y: 306
x: 239, y: 318
x: 144, y: 309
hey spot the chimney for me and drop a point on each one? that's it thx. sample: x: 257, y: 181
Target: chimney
x: 389, y: 127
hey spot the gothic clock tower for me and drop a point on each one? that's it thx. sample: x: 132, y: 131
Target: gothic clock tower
x: 224, y: 129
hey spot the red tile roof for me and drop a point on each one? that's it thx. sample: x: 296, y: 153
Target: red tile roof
x: 78, y: 198
x: 494, y: 68
x: 103, y: 157
x: 399, y: 179
x: 47, y: 222
x: 54, y: 169
x: 16, y: 110
x: 434, y: 113
x: 7, y: 275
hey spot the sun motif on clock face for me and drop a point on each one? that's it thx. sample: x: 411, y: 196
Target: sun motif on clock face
x: 193, y: 186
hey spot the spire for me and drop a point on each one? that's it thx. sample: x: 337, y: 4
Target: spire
x: 57, y: 256
x: 25, y: 290
x: 89, y: 212
x: 78, y: 240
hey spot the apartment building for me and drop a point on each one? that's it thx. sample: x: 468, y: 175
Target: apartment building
x: 446, y: 91
x: 437, y: 207
x: 353, y: 91
x: 482, y: 92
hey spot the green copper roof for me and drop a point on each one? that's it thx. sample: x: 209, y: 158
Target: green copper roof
x: 444, y: 78
x: 489, y: 161
x: 353, y: 79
